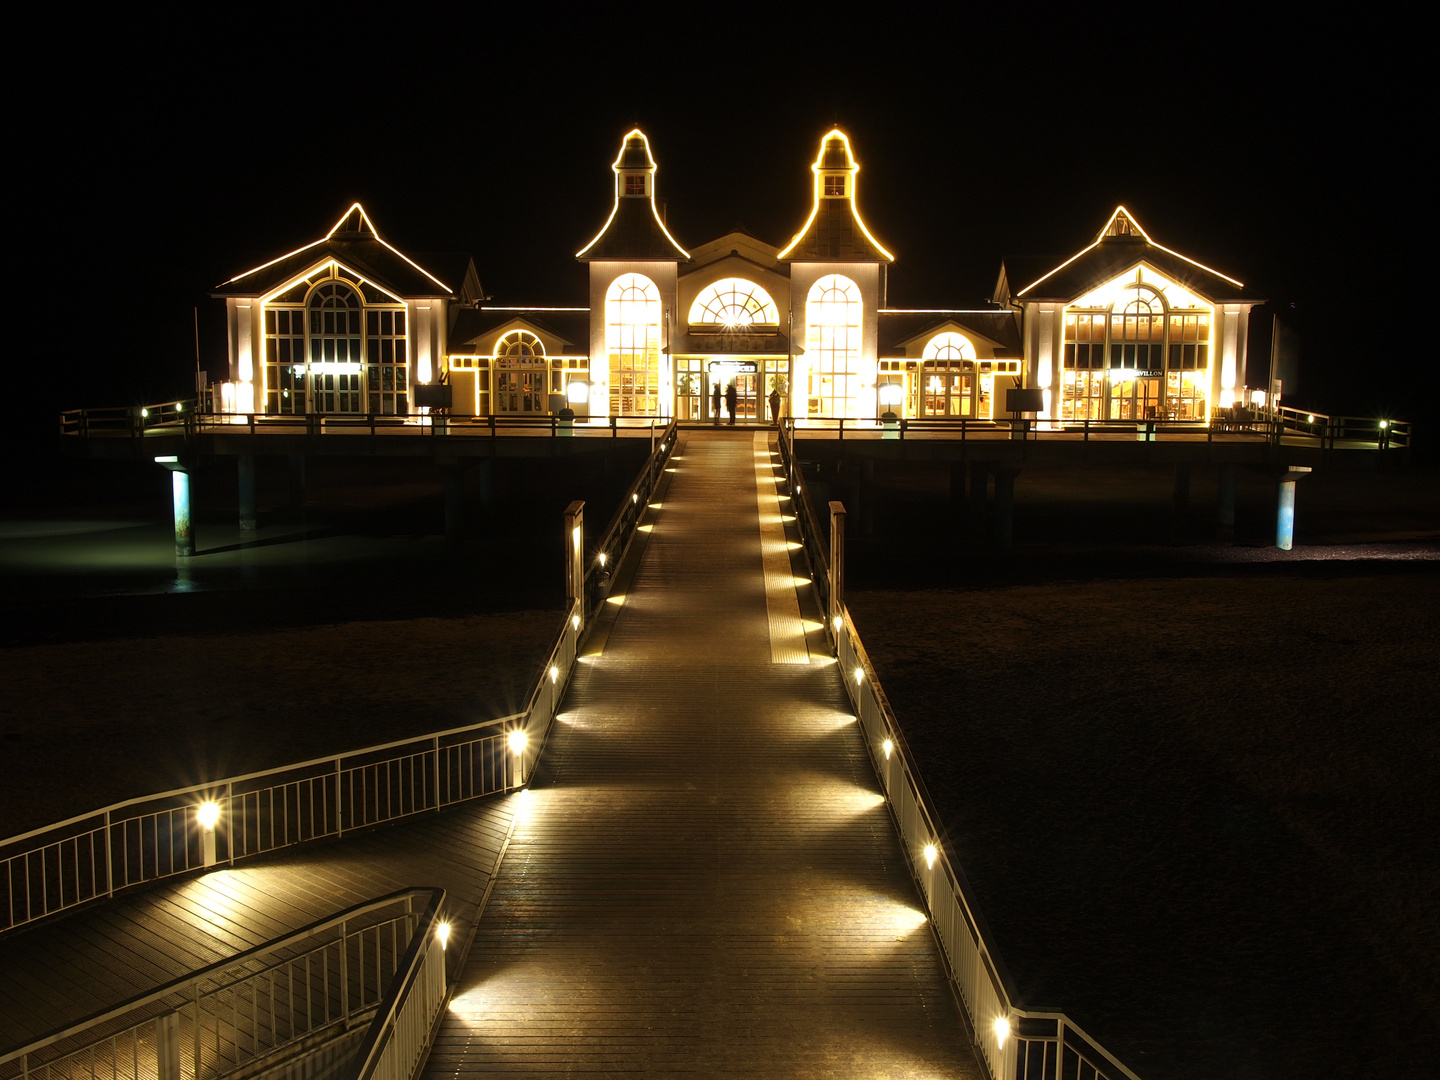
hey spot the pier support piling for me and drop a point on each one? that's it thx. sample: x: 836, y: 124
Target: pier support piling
x: 1285, y: 512
x: 248, y: 517
x: 1225, y: 506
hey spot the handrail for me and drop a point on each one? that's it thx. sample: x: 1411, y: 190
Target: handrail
x: 609, y: 550
x: 150, y: 838
x: 343, y: 991
x: 400, y: 1035
x: 982, y: 981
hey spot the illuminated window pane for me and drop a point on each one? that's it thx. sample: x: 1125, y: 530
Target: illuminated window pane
x: 520, y: 374
x: 734, y: 303
x: 632, y: 339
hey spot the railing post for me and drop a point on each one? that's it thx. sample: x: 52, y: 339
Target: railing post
x: 339, y: 802
x: 109, y: 861
x: 167, y: 1047
x: 837, y: 570
x: 344, y: 971
x: 575, y: 556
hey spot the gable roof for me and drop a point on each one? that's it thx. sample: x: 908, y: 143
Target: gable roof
x: 1119, y: 247
x: 353, y: 242
x: 634, y: 229
x: 898, y: 326
x: 570, y: 325
x: 834, y: 229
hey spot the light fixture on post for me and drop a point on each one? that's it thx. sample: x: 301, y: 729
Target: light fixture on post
x: 207, y: 816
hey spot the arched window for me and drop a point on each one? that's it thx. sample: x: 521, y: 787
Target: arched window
x: 1137, y: 331
x: 949, y: 347
x: 519, y: 348
x: 632, y: 338
x: 335, y: 356
x: 833, y: 313
x: 519, y: 374
x: 734, y: 304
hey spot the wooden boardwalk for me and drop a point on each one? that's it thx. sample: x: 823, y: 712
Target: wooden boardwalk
x: 61, y: 971
x: 704, y: 878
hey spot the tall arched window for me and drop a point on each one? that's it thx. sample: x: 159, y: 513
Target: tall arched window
x: 833, y: 313
x: 335, y: 356
x: 1137, y: 332
x: 632, y: 338
x: 734, y: 304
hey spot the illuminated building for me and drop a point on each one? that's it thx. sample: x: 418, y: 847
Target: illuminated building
x: 1126, y: 329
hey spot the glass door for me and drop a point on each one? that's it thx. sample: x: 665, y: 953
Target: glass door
x: 520, y: 391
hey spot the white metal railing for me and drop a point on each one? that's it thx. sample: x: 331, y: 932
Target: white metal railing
x: 399, y: 1039
x: 94, y: 855
x: 296, y: 1006
x: 1014, y: 1041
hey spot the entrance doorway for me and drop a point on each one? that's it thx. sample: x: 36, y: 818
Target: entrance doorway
x: 946, y: 393
x: 520, y: 391
x: 746, y: 377
x: 1137, y: 398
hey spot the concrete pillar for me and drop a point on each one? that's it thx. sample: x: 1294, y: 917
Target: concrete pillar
x: 1179, y: 502
x: 1285, y: 516
x: 1225, y: 508
x: 248, y: 517
x: 297, y: 479
x: 575, y: 557
x: 180, y: 499
x: 1005, y: 507
x: 454, y: 500
x: 867, y: 497
x: 837, y: 564
x: 978, y: 483
x: 957, y: 485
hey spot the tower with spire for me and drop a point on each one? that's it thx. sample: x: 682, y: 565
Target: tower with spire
x: 837, y: 286
x: 634, y: 263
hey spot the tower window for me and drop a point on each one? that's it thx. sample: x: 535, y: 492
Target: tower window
x: 835, y: 185
x: 635, y: 184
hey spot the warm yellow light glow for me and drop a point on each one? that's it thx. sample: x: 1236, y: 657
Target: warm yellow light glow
x: 575, y: 622
x: 208, y: 814
x: 1002, y: 1030
x: 1311, y: 420
x: 930, y: 854
x: 888, y: 746
x: 1118, y: 211
x: 602, y: 558
x: 853, y: 168
x: 517, y: 741
x: 442, y: 934
x: 839, y: 622
x: 615, y: 168
x: 554, y: 674
x: 735, y: 304
x: 1384, y: 423
x: 575, y: 536
x: 634, y: 498
x: 859, y: 675
x: 616, y: 600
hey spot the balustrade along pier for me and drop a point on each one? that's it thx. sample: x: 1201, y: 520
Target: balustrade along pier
x: 724, y: 861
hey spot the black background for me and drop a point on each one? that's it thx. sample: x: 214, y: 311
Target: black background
x: 157, y: 157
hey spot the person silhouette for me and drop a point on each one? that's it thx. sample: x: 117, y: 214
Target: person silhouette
x: 732, y: 397
x: 715, y: 405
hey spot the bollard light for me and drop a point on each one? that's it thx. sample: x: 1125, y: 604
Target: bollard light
x: 634, y: 498
x: 1002, y: 1030
x: 517, y: 741
x: 839, y: 622
x: 208, y: 814
x: 1312, y: 418
x: 930, y: 854
x: 887, y: 746
x: 859, y: 675
x: 575, y: 621
x: 442, y: 934
x: 1384, y: 423
x: 602, y: 558
x: 554, y: 674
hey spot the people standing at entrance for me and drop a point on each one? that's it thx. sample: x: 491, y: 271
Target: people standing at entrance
x: 715, y: 405
x: 732, y: 397
x: 775, y: 406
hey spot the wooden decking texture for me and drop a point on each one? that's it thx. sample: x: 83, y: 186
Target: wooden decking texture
x: 704, y: 878
x: 62, y: 971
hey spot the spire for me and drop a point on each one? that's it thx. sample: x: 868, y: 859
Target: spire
x: 834, y: 229
x: 634, y: 229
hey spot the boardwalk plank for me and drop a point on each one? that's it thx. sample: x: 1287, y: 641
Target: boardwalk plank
x: 705, y: 879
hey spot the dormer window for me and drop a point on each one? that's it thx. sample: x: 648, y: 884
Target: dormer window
x: 635, y: 184
x: 835, y: 186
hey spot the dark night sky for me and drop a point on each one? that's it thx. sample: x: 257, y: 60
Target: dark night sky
x: 165, y: 161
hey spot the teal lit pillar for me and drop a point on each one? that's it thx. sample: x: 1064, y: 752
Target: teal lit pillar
x: 248, y: 517
x: 1285, y: 514
x: 180, y: 495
